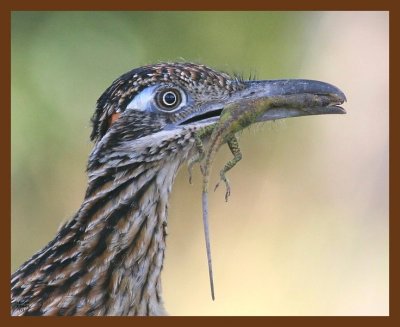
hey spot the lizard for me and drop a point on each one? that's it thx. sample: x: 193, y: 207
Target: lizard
x: 235, y: 117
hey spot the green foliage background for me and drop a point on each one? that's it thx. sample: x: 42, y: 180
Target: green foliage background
x: 306, y: 229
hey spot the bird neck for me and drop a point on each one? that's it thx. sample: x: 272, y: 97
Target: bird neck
x: 108, y: 258
x: 123, y: 221
x: 124, y: 217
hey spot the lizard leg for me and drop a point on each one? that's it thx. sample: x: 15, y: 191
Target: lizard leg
x: 237, y: 156
x: 201, y: 153
x: 198, y: 157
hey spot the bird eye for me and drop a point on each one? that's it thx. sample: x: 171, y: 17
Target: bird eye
x: 169, y: 99
x: 164, y: 98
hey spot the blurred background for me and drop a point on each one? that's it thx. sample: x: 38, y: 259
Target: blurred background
x: 305, y: 231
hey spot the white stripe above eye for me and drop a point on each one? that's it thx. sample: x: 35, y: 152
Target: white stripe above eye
x: 144, y: 100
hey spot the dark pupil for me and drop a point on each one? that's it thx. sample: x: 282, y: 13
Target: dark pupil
x: 169, y: 98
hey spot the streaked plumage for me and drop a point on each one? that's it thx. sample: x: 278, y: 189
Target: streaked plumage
x: 114, y: 245
x: 107, y: 259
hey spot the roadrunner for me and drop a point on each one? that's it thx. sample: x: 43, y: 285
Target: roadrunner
x: 107, y: 259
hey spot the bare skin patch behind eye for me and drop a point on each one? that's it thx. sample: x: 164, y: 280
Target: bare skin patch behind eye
x: 113, y: 118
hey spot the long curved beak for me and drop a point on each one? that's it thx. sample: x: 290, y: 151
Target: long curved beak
x: 276, y: 99
x: 294, y: 98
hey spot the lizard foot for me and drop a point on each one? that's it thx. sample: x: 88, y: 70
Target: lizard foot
x: 192, y: 161
x: 227, y: 188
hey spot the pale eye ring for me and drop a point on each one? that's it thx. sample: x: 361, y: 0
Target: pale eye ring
x: 169, y: 99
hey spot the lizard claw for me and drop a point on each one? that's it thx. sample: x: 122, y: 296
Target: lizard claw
x: 228, y: 193
x: 228, y: 190
x: 190, y: 174
x: 202, y: 170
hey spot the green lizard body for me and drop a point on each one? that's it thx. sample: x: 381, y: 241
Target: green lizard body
x: 235, y: 117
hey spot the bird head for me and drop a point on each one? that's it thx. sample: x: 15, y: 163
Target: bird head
x: 161, y: 95
x: 174, y: 97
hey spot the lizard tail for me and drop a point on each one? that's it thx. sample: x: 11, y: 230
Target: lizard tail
x: 207, y: 238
